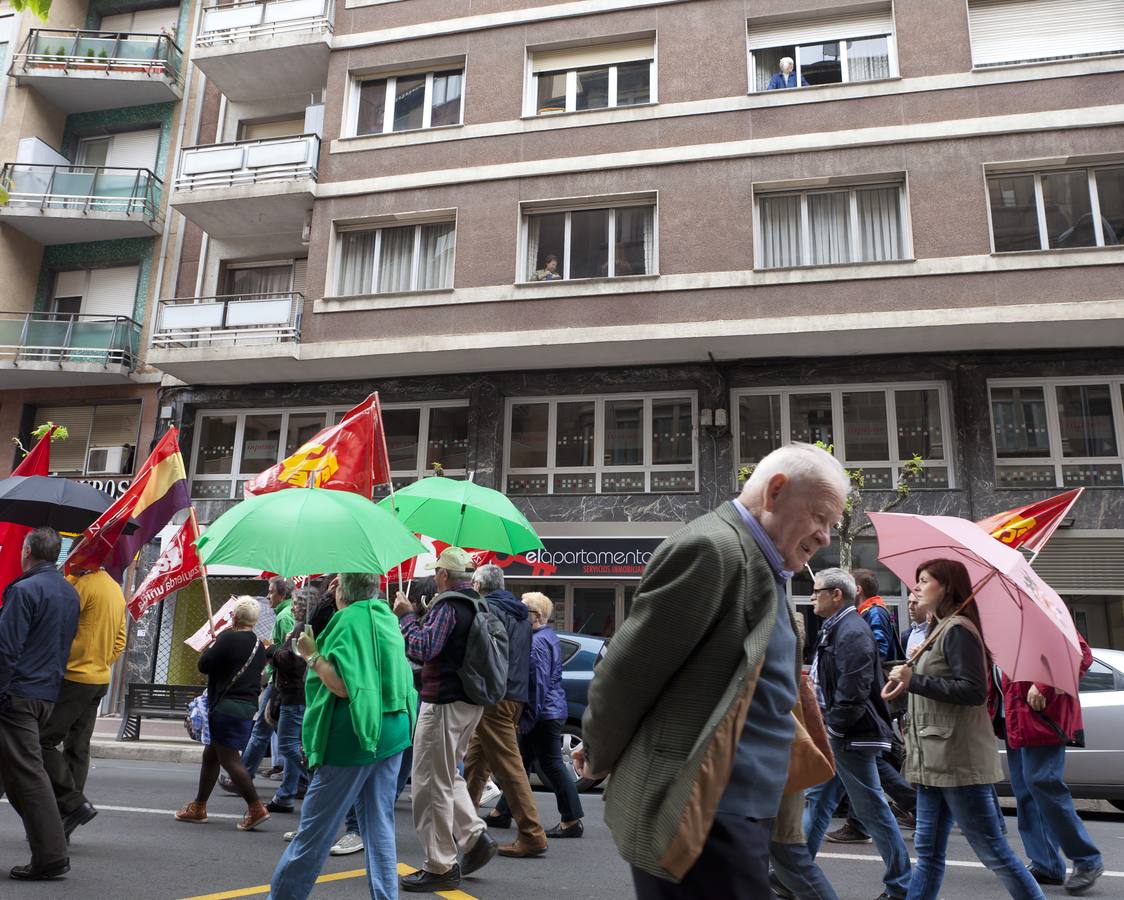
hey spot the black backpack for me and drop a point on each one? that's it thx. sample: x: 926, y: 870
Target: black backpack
x: 483, y: 673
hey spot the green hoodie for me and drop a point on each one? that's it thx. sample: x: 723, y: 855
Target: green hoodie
x: 364, y: 644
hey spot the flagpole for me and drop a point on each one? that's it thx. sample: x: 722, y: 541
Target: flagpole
x: 206, y: 589
x: 386, y: 461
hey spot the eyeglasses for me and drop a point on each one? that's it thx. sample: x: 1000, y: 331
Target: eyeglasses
x: 817, y: 590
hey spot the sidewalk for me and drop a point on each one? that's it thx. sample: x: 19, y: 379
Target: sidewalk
x: 160, y: 741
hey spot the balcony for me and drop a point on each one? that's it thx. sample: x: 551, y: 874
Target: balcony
x: 68, y: 204
x: 248, y: 187
x: 252, y: 51
x: 57, y: 350
x: 235, y: 338
x: 79, y: 71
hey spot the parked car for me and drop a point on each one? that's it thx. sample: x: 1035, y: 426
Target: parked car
x: 1096, y: 771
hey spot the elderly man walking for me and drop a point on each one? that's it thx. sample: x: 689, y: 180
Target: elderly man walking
x: 100, y: 640
x: 847, y: 673
x: 445, y: 817
x: 692, y: 708
x: 37, y: 626
x: 495, y: 744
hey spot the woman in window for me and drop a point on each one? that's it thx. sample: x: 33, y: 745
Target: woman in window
x: 549, y: 271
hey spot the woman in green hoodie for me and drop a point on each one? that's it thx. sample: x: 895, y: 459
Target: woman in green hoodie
x: 359, y: 718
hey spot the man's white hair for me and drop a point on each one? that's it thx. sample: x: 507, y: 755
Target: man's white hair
x: 799, y: 462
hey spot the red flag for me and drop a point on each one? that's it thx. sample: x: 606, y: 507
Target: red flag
x: 422, y: 566
x: 37, y: 462
x: 176, y: 568
x: 1030, y: 526
x: 350, y: 456
x: 157, y: 493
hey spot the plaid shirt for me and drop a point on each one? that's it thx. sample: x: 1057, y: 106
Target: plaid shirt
x: 425, y: 640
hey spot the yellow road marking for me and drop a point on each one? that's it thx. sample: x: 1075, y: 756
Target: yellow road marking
x: 403, y: 869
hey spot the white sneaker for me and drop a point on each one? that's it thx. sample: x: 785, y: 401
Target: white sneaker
x: 491, y: 792
x: 349, y: 843
x: 288, y: 836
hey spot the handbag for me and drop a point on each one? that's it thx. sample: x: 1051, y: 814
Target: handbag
x: 197, y: 721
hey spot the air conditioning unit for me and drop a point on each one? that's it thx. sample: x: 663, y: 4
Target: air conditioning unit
x: 107, y: 460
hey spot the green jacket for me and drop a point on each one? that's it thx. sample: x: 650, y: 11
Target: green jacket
x: 668, y: 702
x: 283, y: 623
x: 365, y: 646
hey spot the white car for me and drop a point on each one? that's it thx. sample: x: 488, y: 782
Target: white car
x: 1096, y: 771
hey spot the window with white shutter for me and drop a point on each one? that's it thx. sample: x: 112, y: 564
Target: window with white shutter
x: 591, y: 76
x: 90, y: 425
x: 112, y: 291
x: 142, y: 21
x: 134, y: 149
x: 300, y: 275
x: 1021, y: 31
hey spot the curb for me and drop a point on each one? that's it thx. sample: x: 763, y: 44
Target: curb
x: 147, y: 751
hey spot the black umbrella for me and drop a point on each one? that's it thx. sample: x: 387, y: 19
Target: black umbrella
x: 64, y: 505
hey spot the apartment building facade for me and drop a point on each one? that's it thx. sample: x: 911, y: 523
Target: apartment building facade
x: 587, y: 256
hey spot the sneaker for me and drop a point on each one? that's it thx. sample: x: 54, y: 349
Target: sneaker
x: 194, y: 811
x: 490, y: 793
x: 256, y: 813
x: 847, y: 835
x: 1083, y: 879
x: 423, y: 882
x: 348, y: 844
x: 288, y: 836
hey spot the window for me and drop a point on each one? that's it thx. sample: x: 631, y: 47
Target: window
x: 263, y: 279
x: 1099, y: 677
x: 232, y: 447
x: 831, y: 227
x: 619, y: 444
x: 104, y: 425
x: 597, y: 76
x: 1057, y: 209
x: 1021, y: 31
x: 393, y: 259
x: 838, y: 49
x: 575, y: 243
x: 408, y: 102
x: 1066, y: 432
x: 872, y: 427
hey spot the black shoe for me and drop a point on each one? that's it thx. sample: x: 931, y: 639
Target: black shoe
x: 274, y: 806
x: 1083, y: 879
x: 572, y: 831
x: 423, y: 882
x: 500, y: 821
x: 885, y: 896
x: 1042, y: 878
x: 27, y: 873
x: 480, y: 855
x: 80, y: 816
x: 778, y: 888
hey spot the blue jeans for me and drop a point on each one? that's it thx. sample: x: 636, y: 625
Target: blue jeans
x: 259, y: 737
x: 973, y: 809
x: 404, y: 774
x: 289, y: 746
x: 1048, y: 823
x: 332, y: 791
x: 857, y: 773
x: 799, y: 873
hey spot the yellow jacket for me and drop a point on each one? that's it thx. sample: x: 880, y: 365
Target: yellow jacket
x: 101, y: 628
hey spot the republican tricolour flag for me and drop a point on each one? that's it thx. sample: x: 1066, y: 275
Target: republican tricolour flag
x: 176, y: 568
x: 350, y: 456
x: 157, y: 493
x: 1029, y: 527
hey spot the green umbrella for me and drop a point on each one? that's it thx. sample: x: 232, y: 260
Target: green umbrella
x: 463, y: 514
x: 306, y: 531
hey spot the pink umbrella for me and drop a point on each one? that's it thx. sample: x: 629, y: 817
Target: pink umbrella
x: 1026, y: 625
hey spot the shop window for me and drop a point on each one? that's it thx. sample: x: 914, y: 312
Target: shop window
x: 609, y: 445
x: 1058, y: 434
x: 875, y: 428
x: 600, y: 242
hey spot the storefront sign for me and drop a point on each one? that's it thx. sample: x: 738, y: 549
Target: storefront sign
x: 582, y: 557
x: 115, y: 487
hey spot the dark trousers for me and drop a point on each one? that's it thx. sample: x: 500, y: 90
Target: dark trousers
x: 26, y: 781
x: 734, y: 865
x: 544, y: 743
x: 71, y: 725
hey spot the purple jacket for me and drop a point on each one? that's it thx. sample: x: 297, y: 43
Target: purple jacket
x: 547, y: 699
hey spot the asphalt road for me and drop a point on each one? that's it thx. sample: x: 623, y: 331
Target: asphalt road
x: 135, y: 850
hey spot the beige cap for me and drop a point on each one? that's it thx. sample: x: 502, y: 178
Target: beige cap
x: 454, y: 559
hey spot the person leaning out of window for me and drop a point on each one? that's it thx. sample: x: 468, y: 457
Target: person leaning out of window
x: 786, y: 77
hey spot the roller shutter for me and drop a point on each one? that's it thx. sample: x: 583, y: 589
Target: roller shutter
x: 1083, y: 565
x: 818, y: 30
x: 590, y: 55
x: 1012, y: 31
x: 112, y: 292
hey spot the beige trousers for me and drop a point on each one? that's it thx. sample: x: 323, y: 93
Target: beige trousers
x: 445, y: 817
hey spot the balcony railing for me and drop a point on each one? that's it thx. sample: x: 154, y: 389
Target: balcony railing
x: 134, y: 192
x: 248, y: 162
x: 272, y: 318
x: 78, y: 53
x: 249, y: 21
x: 61, y: 338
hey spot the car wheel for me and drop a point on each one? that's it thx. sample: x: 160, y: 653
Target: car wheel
x: 571, y: 741
x: 1118, y: 802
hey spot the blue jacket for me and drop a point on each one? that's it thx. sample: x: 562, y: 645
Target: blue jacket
x: 548, y: 699
x: 516, y: 619
x: 37, y: 626
x: 885, y: 635
x: 780, y: 81
x: 850, y: 678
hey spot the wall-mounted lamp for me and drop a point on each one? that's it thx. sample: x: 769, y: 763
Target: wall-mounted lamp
x: 706, y: 418
x: 720, y: 418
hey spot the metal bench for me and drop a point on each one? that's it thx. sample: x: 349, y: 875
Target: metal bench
x: 154, y: 701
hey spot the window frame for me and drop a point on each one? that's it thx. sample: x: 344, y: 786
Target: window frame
x: 844, y: 62
x: 851, y: 188
x: 379, y: 225
x: 1040, y: 204
x: 839, y: 443
x: 1055, y: 458
x: 531, y: 81
x: 391, y: 78
x: 237, y: 478
x: 528, y: 210
x: 598, y: 469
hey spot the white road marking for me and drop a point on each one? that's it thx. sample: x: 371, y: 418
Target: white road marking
x: 964, y: 863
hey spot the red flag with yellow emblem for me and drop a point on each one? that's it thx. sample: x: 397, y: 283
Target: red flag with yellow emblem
x: 350, y: 456
x: 1030, y: 526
